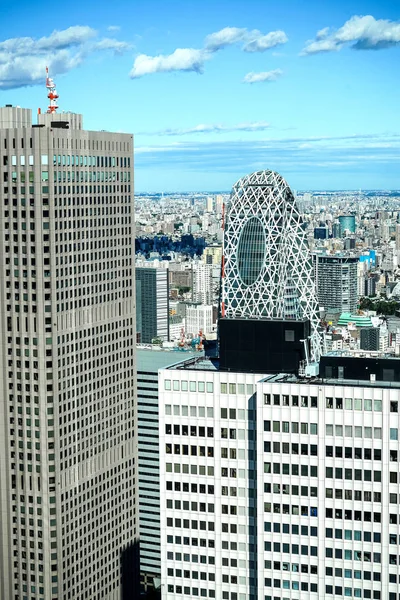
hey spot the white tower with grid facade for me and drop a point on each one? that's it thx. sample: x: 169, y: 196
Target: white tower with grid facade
x: 267, y: 264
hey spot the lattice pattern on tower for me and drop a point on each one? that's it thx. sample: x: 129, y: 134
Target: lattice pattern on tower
x: 267, y: 264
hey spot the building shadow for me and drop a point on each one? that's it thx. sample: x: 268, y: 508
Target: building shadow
x: 131, y: 588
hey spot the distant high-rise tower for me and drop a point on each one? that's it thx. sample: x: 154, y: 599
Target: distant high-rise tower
x: 347, y: 223
x: 67, y: 359
x: 336, y: 278
x: 267, y: 268
x: 153, y: 296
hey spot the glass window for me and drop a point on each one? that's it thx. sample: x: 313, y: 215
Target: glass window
x: 339, y: 429
x: 348, y: 403
x: 329, y: 430
x: 167, y: 384
x: 232, y: 388
x: 192, y: 386
x: 184, y: 386
x: 167, y: 409
x: 224, y: 388
x: 378, y: 433
x: 394, y: 434
x: 357, y: 431
x: 175, y: 385
x: 210, y: 387
x: 201, y: 386
x: 176, y: 410
x: 368, y: 432
x: 357, y: 404
x: 378, y: 405
x: 367, y: 404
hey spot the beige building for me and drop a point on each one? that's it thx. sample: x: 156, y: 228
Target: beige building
x: 67, y: 358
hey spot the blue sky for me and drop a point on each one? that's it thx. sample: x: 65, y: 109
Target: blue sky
x: 214, y: 90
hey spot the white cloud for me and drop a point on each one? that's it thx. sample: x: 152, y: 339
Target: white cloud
x: 182, y: 59
x: 213, y: 128
x: 111, y: 44
x: 225, y: 37
x: 361, y: 32
x: 191, y: 59
x: 23, y: 60
x: 113, y: 28
x: 263, y: 76
x: 253, y: 40
x: 261, y: 43
x: 322, y: 33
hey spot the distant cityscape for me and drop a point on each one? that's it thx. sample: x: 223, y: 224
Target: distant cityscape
x: 354, y: 238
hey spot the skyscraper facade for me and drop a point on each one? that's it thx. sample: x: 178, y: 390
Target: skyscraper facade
x: 336, y: 280
x: 202, y: 283
x: 275, y: 487
x: 67, y: 323
x: 348, y: 223
x: 153, y: 292
x: 149, y: 361
x: 267, y: 272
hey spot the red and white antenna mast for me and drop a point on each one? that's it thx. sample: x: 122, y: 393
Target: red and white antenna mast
x: 52, y: 95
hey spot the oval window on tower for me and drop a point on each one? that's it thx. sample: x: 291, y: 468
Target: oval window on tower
x: 250, y: 254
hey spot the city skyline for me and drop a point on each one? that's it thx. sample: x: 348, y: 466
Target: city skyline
x: 213, y: 92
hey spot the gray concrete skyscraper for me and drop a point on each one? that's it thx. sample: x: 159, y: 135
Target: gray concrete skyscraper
x: 67, y: 358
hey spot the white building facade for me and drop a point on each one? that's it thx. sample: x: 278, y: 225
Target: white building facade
x: 199, y: 318
x: 202, y: 283
x: 277, y: 488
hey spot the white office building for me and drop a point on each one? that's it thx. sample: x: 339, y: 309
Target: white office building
x: 273, y: 487
x: 199, y: 318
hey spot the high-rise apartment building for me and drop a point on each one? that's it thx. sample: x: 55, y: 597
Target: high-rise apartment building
x: 202, y: 283
x: 153, y: 311
x: 67, y: 359
x: 336, y: 280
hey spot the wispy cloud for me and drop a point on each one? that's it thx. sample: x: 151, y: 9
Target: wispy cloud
x: 225, y: 37
x: 212, y: 128
x: 264, y: 76
x: 361, y: 158
x: 23, y: 60
x: 191, y: 59
x: 260, y: 43
x: 113, y: 28
x: 360, y: 32
x: 182, y: 59
x: 111, y: 44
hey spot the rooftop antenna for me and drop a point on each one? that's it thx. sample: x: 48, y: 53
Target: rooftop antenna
x: 52, y: 95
